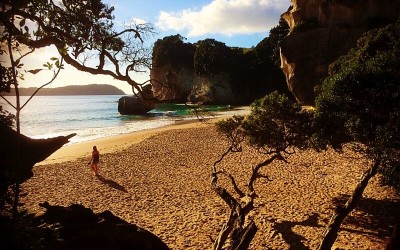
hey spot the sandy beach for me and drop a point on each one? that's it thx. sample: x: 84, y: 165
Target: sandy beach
x: 160, y: 180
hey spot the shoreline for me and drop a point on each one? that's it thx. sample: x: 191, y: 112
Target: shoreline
x: 116, y: 143
x: 120, y: 142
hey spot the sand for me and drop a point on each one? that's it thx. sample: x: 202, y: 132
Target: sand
x: 160, y: 181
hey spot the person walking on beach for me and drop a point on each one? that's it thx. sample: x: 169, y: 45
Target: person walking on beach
x: 94, y: 161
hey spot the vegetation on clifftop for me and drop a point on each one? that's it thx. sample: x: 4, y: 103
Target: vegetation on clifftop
x: 248, y: 73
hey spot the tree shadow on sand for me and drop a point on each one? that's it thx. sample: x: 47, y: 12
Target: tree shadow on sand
x: 111, y: 183
x: 285, y: 228
x: 378, y: 217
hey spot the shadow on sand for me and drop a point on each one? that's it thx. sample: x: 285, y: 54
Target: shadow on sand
x: 290, y: 237
x: 111, y: 183
x: 373, y: 217
x: 377, y: 216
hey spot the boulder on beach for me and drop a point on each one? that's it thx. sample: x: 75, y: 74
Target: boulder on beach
x: 134, y: 105
x: 138, y: 104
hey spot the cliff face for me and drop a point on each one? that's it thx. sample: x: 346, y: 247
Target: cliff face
x: 184, y: 85
x: 322, y: 31
x: 171, y: 85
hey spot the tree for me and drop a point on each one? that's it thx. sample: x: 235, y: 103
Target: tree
x: 269, y: 47
x: 172, y: 50
x: 359, y: 106
x: 6, y: 119
x: 211, y: 57
x: 275, y: 128
x: 82, y: 32
x: 257, y: 70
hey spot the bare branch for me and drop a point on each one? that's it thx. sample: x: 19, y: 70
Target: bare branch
x: 255, y: 173
x: 232, y: 179
x: 55, y: 74
x: 8, y: 102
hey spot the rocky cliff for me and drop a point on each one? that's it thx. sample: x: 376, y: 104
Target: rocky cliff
x: 171, y: 85
x: 212, y: 73
x: 323, y: 30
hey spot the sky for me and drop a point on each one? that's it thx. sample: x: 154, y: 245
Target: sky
x: 237, y: 23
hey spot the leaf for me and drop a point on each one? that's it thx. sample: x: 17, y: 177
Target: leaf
x: 22, y: 23
x: 54, y: 58
x: 34, y: 71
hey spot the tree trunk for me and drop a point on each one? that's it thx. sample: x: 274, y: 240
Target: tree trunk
x: 246, y: 236
x: 332, y: 228
x: 224, y: 233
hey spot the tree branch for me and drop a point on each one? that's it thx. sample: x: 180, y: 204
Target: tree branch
x: 255, y: 173
x: 44, y: 85
x: 232, y: 179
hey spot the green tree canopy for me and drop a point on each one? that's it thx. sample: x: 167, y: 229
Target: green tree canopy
x: 211, y: 57
x: 172, y: 50
x: 83, y: 33
x: 360, y: 106
x: 360, y: 100
x: 6, y: 119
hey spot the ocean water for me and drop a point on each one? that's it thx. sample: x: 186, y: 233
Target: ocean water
x: 94, y: 117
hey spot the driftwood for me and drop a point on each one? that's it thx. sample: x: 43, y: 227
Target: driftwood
x: 19, y: 153
x: 22, y: 153
x: 239, y: 232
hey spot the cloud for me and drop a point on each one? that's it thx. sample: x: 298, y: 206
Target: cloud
x: 226, y: 17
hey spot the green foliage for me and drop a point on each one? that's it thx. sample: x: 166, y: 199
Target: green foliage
x: 6, y: 79
x: 232, y: 128
x: 6, y: 119
x: 259, y: 70
x: 211, y: 57
x: 275, y: 124
x: 172, y: 51
x: 268, y: 48
x: 360, y: 100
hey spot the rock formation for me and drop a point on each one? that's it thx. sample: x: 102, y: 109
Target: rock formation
x: 215, y: 89
x: 322, y: 31
x: 137, y: 104
x: 171, y: 85
x: 172, y: 69
x: 212, y: 73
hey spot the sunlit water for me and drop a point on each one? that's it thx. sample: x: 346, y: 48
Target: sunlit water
x: 94, y: 117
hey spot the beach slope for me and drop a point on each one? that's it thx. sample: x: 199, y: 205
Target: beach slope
x: 160, y: 181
